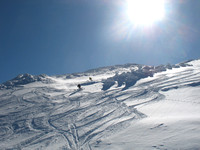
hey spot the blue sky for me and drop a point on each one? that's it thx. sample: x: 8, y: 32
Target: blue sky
x: 66, y: 36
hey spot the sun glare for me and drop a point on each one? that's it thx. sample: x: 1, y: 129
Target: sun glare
x: 145, y: 12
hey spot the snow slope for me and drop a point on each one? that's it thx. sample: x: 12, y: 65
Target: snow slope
x: 123, y: 107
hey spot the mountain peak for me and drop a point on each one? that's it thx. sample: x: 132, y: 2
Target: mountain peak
x: 22, y: 79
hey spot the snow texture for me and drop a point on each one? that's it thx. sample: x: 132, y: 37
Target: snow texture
x: 123, y: 107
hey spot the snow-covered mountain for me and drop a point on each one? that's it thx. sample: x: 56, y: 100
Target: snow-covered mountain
x: 123, y: 107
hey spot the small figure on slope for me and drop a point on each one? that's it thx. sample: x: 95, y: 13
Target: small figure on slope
x: 79, y: 86
x: 90, y: 78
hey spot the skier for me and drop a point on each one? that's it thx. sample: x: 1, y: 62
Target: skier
x: 79, y: 86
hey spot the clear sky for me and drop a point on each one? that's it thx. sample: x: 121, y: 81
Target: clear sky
x: 67, y: 36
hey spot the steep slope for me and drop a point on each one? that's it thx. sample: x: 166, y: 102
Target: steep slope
x: 120, y: 104
x: 171, y: 102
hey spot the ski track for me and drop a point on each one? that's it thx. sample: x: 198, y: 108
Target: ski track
x: 40, y: 115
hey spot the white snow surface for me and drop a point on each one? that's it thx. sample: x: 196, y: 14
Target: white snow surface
x: 157, y: 112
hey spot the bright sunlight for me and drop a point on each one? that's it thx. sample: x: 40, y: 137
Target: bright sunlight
x: 145, y: 12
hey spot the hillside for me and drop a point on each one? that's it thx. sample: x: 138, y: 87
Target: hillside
x: 123, y: 107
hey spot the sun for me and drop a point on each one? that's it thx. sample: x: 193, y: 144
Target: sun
x: 145, y: 12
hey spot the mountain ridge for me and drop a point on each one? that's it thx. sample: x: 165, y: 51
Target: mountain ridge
x: 26, y: 78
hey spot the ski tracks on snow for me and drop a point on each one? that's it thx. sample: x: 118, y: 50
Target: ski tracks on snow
x: 46, y: 116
